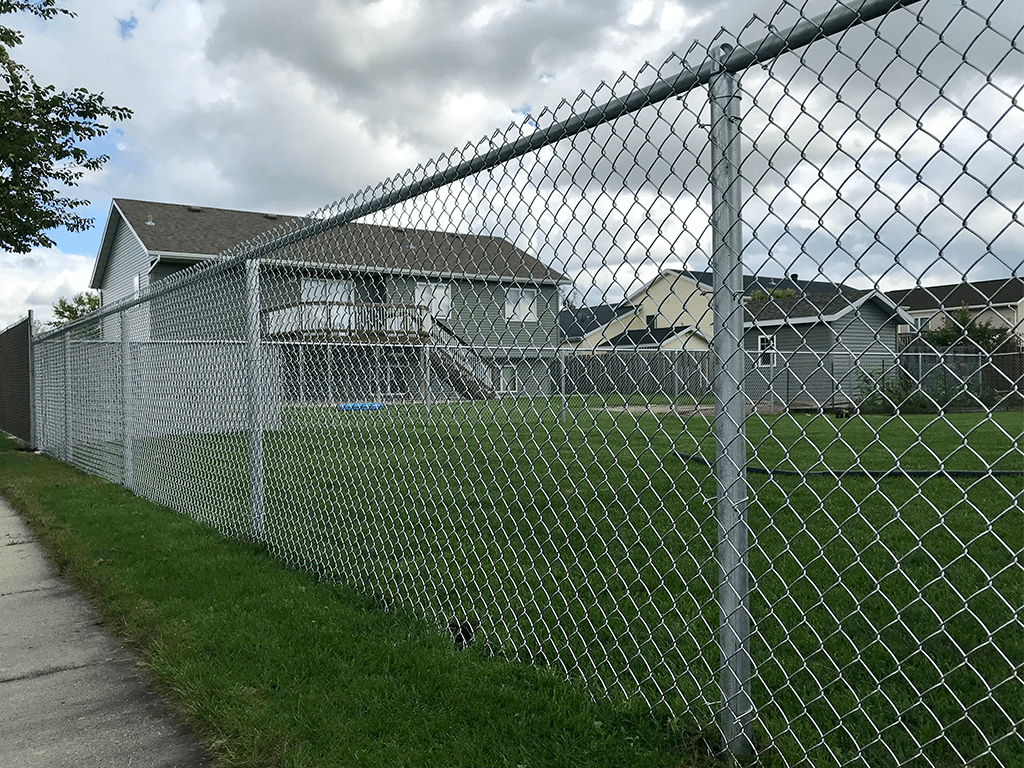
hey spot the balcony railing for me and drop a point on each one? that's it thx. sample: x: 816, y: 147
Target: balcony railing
x: 341, y: 320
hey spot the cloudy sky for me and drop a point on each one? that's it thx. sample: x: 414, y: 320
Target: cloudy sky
x: 286, y: 107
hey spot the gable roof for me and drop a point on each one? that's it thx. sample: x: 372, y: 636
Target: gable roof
x: 767, y: 283
x: 1009, y: 290
x: 814, y: 308
x: 650, y: 337
x: 194, y: 232
x: 577, y: 322
x: 191, y: 229
x: 396, y: 250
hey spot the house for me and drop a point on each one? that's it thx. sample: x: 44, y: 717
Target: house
x: 354, y: 311
x: 999, y: 302
x: 808, y: 342
x: 815, y: 350
x: 672, y: 311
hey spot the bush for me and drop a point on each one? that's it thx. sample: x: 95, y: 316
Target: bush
x: 893, y: 392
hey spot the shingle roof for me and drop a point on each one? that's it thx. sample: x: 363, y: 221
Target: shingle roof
x: 767, y: 283
x: 184, y: 229
x: 643, y: 337
x: 804, y: 306
x: 577, y: 322
x: 193, y: 229
x: 1007, y: 290
x: 372, y: 247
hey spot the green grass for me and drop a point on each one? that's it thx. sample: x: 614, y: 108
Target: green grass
x: 884, y: 611
x: 275, y: 668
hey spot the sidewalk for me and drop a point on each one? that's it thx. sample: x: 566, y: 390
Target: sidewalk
x: 70, y: 694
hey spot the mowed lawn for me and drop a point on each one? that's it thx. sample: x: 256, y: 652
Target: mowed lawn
x: 885, y: 610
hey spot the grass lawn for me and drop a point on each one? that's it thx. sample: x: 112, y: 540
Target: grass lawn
x: 885, y: 611
x: 273, y: 667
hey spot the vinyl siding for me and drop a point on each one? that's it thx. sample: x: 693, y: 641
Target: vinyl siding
x: 478, y: 313
x: 127, y: 258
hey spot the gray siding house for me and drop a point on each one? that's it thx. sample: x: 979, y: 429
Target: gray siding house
x: 816, y: 349
x: 359, y: 311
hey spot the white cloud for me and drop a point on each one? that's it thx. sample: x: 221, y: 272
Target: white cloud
x: 241, y: 103
x: 37, y: 279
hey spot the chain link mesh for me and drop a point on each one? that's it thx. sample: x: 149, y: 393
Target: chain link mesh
x: 493, y: 402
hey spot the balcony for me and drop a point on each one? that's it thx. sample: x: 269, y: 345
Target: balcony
x: 347, y: 321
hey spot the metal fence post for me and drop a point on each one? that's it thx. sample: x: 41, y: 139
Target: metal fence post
x: 561, y: 385
x: 127, y: 468
x: 32, y: 443
x: 253, y: 373
x: 68, y: 451
x: 730, y: 412
x: 426, y: 378
x: 673, y: 360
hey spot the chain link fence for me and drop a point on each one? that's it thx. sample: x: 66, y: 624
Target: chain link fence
x: 606, y: 392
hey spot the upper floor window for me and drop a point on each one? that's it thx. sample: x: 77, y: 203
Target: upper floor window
x: 436, y: 297
x: 521, y: 304
x: 332, y: 291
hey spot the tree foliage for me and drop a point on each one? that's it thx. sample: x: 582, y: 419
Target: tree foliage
x: 41, y: 130
x: 81, y: 304
x: 961, y: 327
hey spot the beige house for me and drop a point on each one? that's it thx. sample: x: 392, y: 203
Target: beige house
x: 673, y: 311
x: 999, y: 302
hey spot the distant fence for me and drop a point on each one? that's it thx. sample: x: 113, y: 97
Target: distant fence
x: 670, y: 375
x: 823, y: 591
x: 15, y: 380
x: 982, y: 376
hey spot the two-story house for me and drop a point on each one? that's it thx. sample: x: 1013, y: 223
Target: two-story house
x: 357, y: 311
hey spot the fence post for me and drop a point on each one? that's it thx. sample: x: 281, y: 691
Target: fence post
x: 127, y: 468
x: 253, y: 373
x: 730, y: 412
x: 69, y: 455
x: 673, y: 360
x: 561, y: 384
x: 426, y: 378
x: 31, y: 383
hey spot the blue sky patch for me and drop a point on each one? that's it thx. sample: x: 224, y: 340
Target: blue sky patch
x: 127, y: 27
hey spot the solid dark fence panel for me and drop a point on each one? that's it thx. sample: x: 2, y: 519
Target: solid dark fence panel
x: 16, y: 379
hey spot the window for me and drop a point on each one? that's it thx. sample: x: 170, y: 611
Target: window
x: 921, y: 323
x: 521, y: 305
x: 335, y: 291
x: 509, y: 379
x: 652, y: 322
x: 766, y: 351
x: 436, y: 297
x: 137, y: 283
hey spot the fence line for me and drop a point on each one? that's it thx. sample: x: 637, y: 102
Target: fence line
x: 473, y: 464
x: 16, y: 380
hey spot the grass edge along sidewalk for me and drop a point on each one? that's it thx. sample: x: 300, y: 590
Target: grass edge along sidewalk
x: 273, y: 668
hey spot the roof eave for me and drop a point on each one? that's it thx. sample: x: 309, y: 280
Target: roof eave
x: 106, y: 243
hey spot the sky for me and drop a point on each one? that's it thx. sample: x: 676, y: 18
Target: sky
x: 285, y: 108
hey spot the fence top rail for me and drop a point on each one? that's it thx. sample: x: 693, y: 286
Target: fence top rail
x: 732, y: 58
x: 15, y: 324
x: 735, y: 59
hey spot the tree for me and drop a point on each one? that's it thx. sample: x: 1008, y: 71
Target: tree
x: 81, y: 304
x: 961, y: 327
x: 40, y: 133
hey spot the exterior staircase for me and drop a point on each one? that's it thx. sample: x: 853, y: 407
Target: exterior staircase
x: 457, y: 361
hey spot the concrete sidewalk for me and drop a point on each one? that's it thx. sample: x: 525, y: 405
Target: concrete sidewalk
x: 70, y: 694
